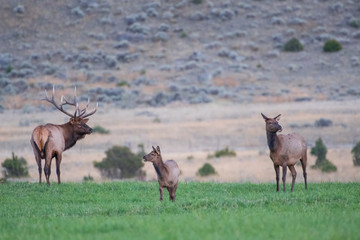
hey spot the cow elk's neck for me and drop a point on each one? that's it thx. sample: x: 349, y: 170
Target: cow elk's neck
x: 272, y: 140
x: 159, y: 167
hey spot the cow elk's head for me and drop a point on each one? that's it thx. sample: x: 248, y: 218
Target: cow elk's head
x: 153, y: 155
x: 79, y: 118
x: 272, y: 124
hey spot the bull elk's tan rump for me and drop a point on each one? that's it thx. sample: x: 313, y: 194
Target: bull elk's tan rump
x: 167, y: 173
x: 51, y: 140
x: 285, y: 151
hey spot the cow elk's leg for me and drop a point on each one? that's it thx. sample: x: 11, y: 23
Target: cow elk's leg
x: 284, y: 175
x: 303, y: 161
x: 58, y: 161
x: 293, y: 173
x: 161, y: 189
x: 174, y: 192
x: 277, y: 172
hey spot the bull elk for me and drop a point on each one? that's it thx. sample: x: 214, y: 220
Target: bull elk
x: 167, y: 173
x: 51, y: 140
x: 285, y: 150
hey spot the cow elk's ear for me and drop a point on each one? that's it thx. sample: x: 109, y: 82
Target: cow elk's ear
x: 277, y: 118
x: 265, y: 117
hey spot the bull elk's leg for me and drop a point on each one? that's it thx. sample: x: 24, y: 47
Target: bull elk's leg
x: 277, y: 172
x: 38, y: 161
x: 58, y: 161
x: 293, y: 173
x: 161, y: 189
x: 47, y: 168
x: 284, y: 174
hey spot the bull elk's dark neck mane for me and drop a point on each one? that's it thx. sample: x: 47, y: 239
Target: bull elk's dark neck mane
x: 69, y: 134
x: 272, y: 140
x: 160, y: 167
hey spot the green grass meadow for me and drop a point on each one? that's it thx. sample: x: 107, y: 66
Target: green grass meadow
x: 132, y: 210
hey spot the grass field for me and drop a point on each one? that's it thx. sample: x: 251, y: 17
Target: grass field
x: 132, y: 210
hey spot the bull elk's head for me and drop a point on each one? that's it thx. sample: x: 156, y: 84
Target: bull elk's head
x: 79, y: 119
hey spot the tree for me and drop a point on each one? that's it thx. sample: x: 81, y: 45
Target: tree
x: 320, y: 150
x: 15, y: 167
x: 120, y: 163
x: 356, y: 154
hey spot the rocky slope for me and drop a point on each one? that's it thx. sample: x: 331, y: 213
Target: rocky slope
x: 153, y: 53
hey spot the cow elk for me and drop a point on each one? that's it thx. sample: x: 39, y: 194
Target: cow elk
x: 285, y: 150
x: 50, y: 140
x: 167, y: 173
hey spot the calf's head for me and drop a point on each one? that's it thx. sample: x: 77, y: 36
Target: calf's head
x: 272, y: 124
x: 153, y: 156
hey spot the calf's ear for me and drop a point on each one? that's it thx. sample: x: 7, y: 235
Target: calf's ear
x: 158, y: 149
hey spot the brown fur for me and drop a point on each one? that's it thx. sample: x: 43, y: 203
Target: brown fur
x: 168, y: 172
x: 50, y: 140
x: 285, y: 151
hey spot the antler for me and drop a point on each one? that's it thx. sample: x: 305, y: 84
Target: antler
x: 79, y: 113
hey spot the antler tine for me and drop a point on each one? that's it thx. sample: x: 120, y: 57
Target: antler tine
x: 52, y: 101
x: 90, y: 113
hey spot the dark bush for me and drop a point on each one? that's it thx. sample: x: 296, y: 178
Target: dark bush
x: 206, y: 170
x: 356, y: 154
x: 88, y: 178
x: 101, y: 130
x: 120, y: 163
x: 332, y: 46
x: 320, y: 150
x: 293, y: 45
x: 323, y: 123
x: 15, y: 167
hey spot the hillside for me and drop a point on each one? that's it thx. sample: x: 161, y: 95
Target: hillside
x: 153, y: 53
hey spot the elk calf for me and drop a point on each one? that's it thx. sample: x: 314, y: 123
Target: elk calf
x: 285, y: 150
x: 167, y: 173
x: 50, y: 140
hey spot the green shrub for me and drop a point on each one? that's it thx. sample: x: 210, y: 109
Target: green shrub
x: 15, y: 167
x: 123, y: 83
x: 206, y: 170
x: 356, y: 154
x: 293, y: 45
x: 320, y: 150
x: 355, y: 23
x: 332, y: 46
x: 225, y: 153
x: 328, y: 166
x: 120, y: 163
x: 183, y: 35
x: 196, y: 1
x: 101, y: 130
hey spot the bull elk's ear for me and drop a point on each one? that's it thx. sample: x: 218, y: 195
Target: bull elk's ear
x: 158, y: 150
x: 277, y: 118
x: 85, y: 120
x: 265, y: 117
x: 72, y: 121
